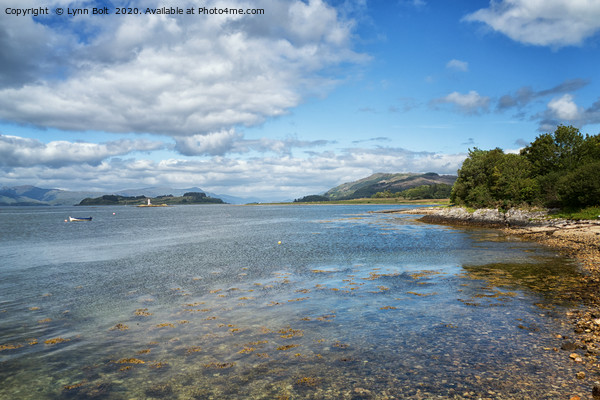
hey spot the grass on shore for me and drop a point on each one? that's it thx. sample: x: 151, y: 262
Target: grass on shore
x: 578, y: 214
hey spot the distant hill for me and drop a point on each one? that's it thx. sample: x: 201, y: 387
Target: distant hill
x: 114, y: 200
x: 34, y: 196
x: 381, y: 182
x: 27, y: 195
x: 154, y: 191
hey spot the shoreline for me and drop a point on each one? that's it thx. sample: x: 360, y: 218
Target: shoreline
x: 577, y: 240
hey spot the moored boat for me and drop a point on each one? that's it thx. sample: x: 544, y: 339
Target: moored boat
x: 79, y: 219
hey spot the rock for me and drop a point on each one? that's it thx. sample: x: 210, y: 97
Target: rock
x: 580, y: 375
x: 516, y: 217
x: 576, y: 357
x: 488, y: 216
x: 596, y: 390
x: 569, y: 345
x: 362, y: 391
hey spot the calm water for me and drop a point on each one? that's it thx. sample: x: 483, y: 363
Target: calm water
x: 202, y: 302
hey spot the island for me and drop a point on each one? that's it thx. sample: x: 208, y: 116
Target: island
x: 143, y: 201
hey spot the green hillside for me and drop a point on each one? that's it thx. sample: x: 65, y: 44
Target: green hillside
x: 381, y: 182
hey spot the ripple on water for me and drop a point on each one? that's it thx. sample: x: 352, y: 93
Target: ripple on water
x: 347, y: 313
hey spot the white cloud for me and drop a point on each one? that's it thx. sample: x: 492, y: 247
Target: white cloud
x: 277, y: 177
x: 228, y: 141
x: 554, y: 23
x: 458, y: 65
x: 176, y: 75
x: 564, y: 108
x: 469, y: 103
x: 23, y: 152
x: 214, y: 143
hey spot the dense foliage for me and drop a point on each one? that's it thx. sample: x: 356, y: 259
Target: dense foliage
x: 435, y: 191
x: 187, y: 198
x: 555, y: 170
x: 313, y: 198
x: 111, y: 199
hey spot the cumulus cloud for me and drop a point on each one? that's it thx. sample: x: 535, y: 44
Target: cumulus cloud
x: 214, y: 143
x: 24, y: 152
x: 458, y: 65
x: 471, y: 103
x: 228, y: 141
x: 175, y: 75
x: 564, y: 110
x: 270, y: 178
x: 554, y: 23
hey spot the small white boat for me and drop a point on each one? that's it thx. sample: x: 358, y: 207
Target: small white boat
x: 79, y: 219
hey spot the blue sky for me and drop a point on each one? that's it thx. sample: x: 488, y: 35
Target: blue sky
x: 292, y: 102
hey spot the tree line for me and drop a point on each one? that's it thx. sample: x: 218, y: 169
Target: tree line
x: 434, y: 191
x: 556, y: 170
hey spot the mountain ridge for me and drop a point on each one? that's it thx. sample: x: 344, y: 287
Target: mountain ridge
x: 380, y: 182
x: 28, y: 195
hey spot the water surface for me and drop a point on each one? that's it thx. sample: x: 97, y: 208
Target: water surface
x: 203, y: 302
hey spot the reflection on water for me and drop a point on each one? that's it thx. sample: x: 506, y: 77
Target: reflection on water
x: 202, y: 302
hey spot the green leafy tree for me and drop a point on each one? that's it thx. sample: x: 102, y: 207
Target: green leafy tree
x: 386, y: 194
x: 311, y: 199
x: 492, y: 178
x: 472, y: 187
x: 435, y: 191
x: 561, y: 169
x: 560, y: 151
x: 581, y: 187
x: 590, y: 149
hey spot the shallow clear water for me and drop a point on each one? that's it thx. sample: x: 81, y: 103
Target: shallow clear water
x: 203, y: 302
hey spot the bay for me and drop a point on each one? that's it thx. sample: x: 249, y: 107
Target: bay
x: 220, y: 301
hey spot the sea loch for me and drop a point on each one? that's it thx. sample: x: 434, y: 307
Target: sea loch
x: 303, y: 302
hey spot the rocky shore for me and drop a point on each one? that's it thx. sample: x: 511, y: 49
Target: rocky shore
x: 579, y: 240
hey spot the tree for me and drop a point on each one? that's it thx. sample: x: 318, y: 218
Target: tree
x: 196, y: 195
x: 560, y: 151
x: 492, y: 178
x: 558, y: 169
x: 435, y: 191
x: 472, y: 187
x: 386, y: 194
x: 590, y: 149
x: 581, y: 187
x: 311, y: 199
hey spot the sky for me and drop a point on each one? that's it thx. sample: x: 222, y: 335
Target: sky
x: 289, y: 99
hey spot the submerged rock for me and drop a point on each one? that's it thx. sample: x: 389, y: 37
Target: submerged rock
x: 569, y: 346
x: 596, y: 390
